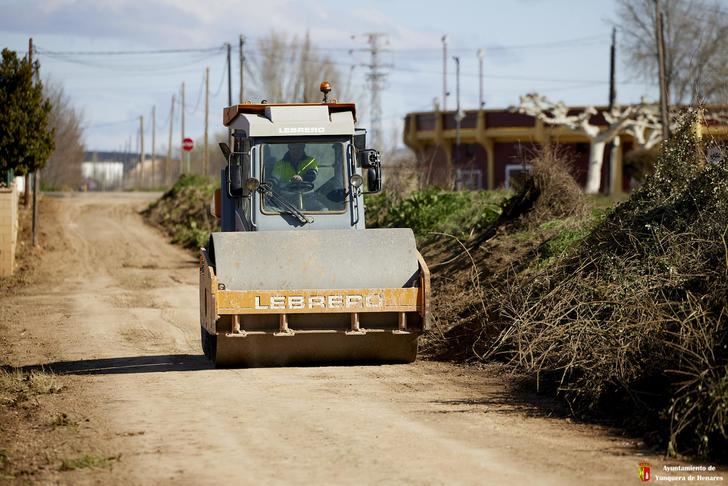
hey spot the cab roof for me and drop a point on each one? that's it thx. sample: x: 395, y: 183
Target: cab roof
x: 232, y: 112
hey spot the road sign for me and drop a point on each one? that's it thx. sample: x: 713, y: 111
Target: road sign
x: 188, y: 144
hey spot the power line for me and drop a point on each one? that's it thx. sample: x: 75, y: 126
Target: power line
x: 109, y: 124
x: 150, y: 68
x: 576, y: 42
x: 128, y: 53
x: 222, y: 79
x: 199, y: 97
x: 505, y: 77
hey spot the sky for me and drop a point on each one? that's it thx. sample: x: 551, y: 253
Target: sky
x: 559, y: 48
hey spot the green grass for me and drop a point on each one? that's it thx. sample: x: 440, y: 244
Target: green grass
x: 436, y: 211
x: 88, y: 461
x: 17, y: 385
x: 571, y: 231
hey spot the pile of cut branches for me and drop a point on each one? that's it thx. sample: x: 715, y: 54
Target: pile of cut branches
x: 632, y: 322
x: 183, y: 212
x: 541, y: 220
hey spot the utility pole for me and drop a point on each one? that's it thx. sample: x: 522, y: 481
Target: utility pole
x: 230, y: 89
x: 36, y: 173
x: 128, y: 157
x: 206, y: 155
x: 660, y: 39
x: 26, y: 192
x: 613, y: 70
x: 444, y: 73
x: 458, y: 114
x: 154, y: 143
x: 481, y: 55
x: 347, y: 93
x: 141, y: 151
x: 230, y: 75
x: 183, y: 167
x: 615, y: 182
x: 376, y: 77
x: 241, y: 41
x: 168, y: 164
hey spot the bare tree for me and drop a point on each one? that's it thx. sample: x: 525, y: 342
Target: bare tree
x: 63, y: 169
x: 289, y: 70
x: 640, y: 120
x: 217, y: 159
x: 696, y: 36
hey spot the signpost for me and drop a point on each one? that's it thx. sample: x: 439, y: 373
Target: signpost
x: 187, y: 145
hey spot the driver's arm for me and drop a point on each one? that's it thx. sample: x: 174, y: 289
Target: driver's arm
x: 310, y: 171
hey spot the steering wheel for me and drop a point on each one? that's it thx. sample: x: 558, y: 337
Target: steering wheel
x: 300, y: 187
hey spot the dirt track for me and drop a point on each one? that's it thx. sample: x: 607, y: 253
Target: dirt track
x: 115, y: 307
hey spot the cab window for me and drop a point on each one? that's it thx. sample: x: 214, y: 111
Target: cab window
x: 309, y: 175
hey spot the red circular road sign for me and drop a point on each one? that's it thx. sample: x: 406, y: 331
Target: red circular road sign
x: 188, y: 144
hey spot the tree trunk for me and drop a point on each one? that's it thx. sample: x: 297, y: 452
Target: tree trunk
x: 596, y: 159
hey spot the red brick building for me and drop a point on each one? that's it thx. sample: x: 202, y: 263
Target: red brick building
x: 497, y: 144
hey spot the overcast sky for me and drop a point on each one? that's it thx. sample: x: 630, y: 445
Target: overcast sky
x: 559, y: 48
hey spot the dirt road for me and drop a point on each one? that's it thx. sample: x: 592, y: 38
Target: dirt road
x: 114, y: 308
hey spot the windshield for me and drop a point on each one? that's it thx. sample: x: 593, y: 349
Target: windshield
x: 308, y: 175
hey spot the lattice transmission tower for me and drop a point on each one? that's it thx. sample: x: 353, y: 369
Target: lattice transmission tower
x: 376, y: 77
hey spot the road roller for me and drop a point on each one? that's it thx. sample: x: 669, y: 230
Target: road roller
x: 294, y: 276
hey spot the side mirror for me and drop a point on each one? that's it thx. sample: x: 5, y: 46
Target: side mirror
x: 371, y: 160
x: 225, y: 150
x: 374, y: 180
x: 232, y: 171
x: 238, y: 166
x: 235, y: 175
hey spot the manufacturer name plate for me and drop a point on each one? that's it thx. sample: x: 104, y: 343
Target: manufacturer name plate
x: 316, y: 301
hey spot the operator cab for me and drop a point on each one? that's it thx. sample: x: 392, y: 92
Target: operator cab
x: 296, y: 166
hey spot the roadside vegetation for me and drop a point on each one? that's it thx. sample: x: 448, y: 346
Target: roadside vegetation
x: 433, y: 210
x: 183, y: 212
x: 620, y: 311
x: 630, y: 322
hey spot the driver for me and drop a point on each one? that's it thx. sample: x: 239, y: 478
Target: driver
x: 295, y: 166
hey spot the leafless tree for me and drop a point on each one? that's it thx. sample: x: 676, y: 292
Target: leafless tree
x: 217, y: 160
x: 638, y: 118
x: 288, y: 70
x: 696, y: 36
x: 63, y: 169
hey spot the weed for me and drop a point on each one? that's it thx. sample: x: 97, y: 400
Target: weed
x: 62, y: 420
x: 88, y: 461
x: 16, y: 385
